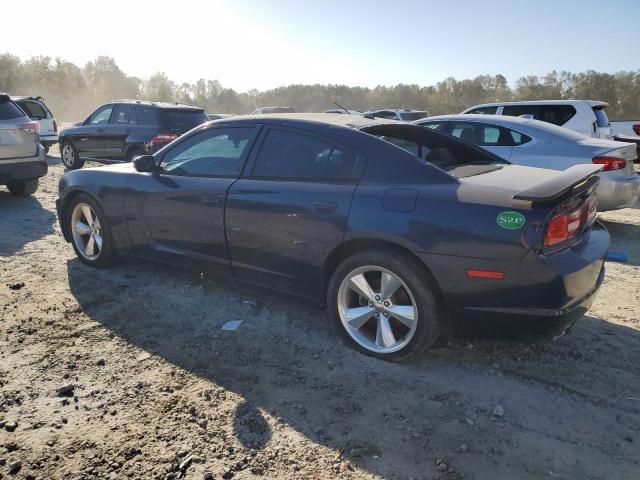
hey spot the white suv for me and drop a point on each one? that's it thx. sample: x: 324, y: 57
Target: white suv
x: 36, y: 110
x: 585, y: 116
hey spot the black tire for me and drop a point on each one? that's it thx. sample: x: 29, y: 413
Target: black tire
x: 73, y: 162
x: 132, y: 152
x: 46, y: 149
x: 108, y: 254
x: 416, y: 280
x: 23, y: 188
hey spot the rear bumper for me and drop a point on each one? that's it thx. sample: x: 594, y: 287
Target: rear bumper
x: 48, y: 140
x: 23, y: 168
x: 541, y: 295
x: 615, y: 194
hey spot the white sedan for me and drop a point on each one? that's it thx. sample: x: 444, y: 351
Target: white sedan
x: 540, y: 144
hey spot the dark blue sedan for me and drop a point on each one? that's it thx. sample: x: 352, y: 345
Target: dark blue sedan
x: 399, y: 231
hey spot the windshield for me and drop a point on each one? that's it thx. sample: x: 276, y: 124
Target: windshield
x: 412, y: 116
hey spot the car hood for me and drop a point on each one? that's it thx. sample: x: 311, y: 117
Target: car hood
x: 116, y: 167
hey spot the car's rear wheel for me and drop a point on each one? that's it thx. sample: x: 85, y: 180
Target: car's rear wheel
x: 23, y: 187
x: 70, y: 157
x: 132, y: 152
x: 90, y: 232
x: 383, y: 305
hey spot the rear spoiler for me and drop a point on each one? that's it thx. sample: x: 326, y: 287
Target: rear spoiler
x: 570, y: 182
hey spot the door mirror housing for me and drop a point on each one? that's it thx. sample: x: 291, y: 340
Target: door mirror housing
x: 145, y: 163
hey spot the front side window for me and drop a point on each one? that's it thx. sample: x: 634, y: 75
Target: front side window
x: 101, y: 116
x: 290, y: 155
x: 34, y: 109
x: 218, y: 152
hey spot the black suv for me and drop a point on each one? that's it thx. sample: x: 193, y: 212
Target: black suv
x: 122, y: 129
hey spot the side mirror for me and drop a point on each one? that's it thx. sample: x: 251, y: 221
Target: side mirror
x: 145, y: 163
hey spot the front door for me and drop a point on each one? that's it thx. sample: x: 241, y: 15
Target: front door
x: 89, y: 141
x: 290, y: 210
x: 116, y: 132
x: 176, y: 215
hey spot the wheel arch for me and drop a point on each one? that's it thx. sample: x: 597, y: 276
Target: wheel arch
x: 359, y: 244
x: 66, y: 201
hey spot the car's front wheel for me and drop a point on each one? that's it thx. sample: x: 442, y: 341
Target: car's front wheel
x: 90, y: 232
x: 383, y: 305
x: 24, y: 187
x: 70, y: 157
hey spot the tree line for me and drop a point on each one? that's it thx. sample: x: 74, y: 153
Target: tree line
x: 72, y: 92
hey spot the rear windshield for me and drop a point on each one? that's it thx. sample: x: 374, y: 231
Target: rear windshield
x: 182, y: 119
x: 411, y: 116
x: 443, y: 151
x: 35, y: 110
x: 601, y: 117
x: 556, y: 130
x: 9, y: 110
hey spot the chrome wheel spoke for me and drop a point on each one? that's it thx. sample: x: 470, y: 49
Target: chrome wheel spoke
x: 404, y: 314
x: 384, y: 335
x: 98, y: 239
x: 358, y: 316
x: 360, y: 285
x: 89, y: 248
x: 82, y: 228
x: 88, y: 216
x: 389, y: 285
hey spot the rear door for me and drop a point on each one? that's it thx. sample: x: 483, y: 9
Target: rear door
x: 121, y: 124
x: 14, y: 142
x: 290, y: 209
x: 177, y: 215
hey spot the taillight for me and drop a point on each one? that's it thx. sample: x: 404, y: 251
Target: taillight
x: 30, y: 127
x: 55, y: 126
x: 566, y: 226
x: 162, y: 138
x: 636, y: 128
x: 610, y: 163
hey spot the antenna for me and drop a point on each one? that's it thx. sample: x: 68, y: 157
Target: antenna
x: 340, y: 106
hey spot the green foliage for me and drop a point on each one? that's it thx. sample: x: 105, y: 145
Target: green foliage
x: 73, y: 92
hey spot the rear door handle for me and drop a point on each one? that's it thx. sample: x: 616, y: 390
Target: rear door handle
x: 326, y: 207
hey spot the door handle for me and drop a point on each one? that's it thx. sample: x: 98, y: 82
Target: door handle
x: 326, y: 207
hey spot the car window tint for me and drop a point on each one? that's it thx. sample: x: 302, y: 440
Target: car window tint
x: 486, y: 135
x: 555, y: 114
x: 9, y: 110
x: 484, y: 111
x: 101, y: 117
x: 34, y: 109
x: 147, y: 116
x: 292, y: 155
x: 415, y: 148
x: 212, y: 153
x: 125, y: 115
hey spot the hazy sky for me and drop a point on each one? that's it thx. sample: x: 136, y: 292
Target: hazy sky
x: 263, y: 44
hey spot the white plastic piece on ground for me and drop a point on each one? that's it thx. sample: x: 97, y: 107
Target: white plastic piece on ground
x: 231, y: 325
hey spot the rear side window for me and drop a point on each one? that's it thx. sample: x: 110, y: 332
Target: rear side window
x: 9, y: 110
x: 289, y: 155
x: 412, y: 116
x: 483, y: 111
x: 555, y: 114
x: 601, y: 117
x: 486, y: 135
x: 35, y: 110
x: 125, y: 115
x: 182, y: 119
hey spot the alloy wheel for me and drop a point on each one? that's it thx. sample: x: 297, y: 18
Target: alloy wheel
x: 68, y: 155
x: 377, y: 309
x: 86, y: 231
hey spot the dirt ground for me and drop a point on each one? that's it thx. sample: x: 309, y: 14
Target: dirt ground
x: 153, y: 388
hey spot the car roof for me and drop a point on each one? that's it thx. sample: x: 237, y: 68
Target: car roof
x: 159, y: 104
x: 592, y: 103
x: 334, y: 119
x: 395, y: 110
x: 466, y: 117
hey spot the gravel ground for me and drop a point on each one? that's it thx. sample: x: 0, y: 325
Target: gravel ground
x: 126, y: 373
